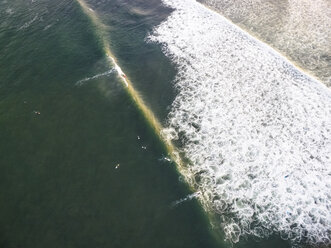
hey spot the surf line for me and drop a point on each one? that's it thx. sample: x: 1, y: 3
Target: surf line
x: 267, y: 46
x: 128, y: 86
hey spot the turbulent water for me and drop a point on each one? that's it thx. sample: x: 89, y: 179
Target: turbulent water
x: 301, y: 29
x: 255, y: 128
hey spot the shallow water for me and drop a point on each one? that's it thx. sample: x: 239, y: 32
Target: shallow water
x: 299, y: 29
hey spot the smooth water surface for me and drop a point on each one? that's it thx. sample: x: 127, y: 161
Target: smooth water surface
x: 79, y: 166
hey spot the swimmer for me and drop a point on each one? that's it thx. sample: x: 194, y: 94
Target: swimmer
x: 167, y: 159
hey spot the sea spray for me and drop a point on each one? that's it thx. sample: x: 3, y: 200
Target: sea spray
x: 107, y: 73
x: 186, y: 198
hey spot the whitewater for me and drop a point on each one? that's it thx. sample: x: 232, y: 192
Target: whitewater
x: 255, y: 128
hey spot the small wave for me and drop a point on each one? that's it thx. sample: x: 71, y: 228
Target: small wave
x: 107, y: 73
x: 256, y: 129
x: 28, y: 24
x: 47, y: 27
x: 10, y: 11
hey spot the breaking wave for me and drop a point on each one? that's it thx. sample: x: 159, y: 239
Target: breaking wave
x: 255, y: 129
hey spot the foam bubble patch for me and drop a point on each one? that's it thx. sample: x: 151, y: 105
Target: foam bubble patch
x: 255, y: 129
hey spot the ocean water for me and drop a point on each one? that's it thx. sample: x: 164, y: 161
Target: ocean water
x: 79, y: 164
x: 98, y: 98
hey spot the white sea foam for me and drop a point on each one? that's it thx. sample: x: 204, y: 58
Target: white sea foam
x: 256, y: 130
x: 107, y: 73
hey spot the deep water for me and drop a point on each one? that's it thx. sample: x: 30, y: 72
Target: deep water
x: 60, y: 141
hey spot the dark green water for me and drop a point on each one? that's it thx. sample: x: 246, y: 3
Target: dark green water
x: 58, y: 183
